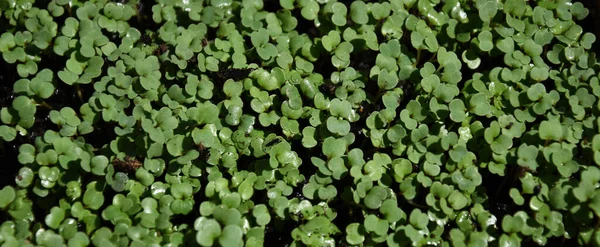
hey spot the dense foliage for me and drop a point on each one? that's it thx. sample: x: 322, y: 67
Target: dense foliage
x: 298, y: 122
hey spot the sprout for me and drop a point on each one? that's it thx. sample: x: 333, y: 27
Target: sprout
x: 309, y: 123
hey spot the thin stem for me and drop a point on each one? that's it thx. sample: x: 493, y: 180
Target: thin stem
x: 378, y: 96
x: 69, y: 9
x: 352, y: 203
x: 44, y: 104
x: 451, y: 126
x: 416, y: 204
x: 433, y: 58
x: 418, y: 58
x: 79, y: 94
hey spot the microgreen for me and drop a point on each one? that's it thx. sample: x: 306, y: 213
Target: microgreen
x: 233, y: 123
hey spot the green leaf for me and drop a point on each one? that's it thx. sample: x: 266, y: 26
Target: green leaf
x: 471, y: 58
x: 358, y: 12
x: 539, y: 74
x: 337, y: 126
x: 479, y: 104
x: 231, y: 236
x: 339, y: 14
x: 79, y: 239
x: 74, y: 66
x: 334, y: 147
x: 327, y: 193
x: 310, y: 9
x: 485, y: 41
x: 7, y: 42
x: 55, y: 217
x: 512, y: 224
x: 376, y: 225
x: 595, y: 204
x: 374, y: 199
x: 308, y: 137
x: 181, y: 190
x: 418, y: 219
x: 551, y: 130
x: 7, y: 133
x: 26, y: 69
x: 417, y: 39
x: 207, y: 230
x: 396, y: 133
x: 353, y: 234
x: 527, y: 156
x: 99, y: 164
x: 457, y: 110
x: 24, y: 177
x: 457, y: 200
x: 532, y: 49
x: 430, y: 83
x: 380, y: 10
x: 261, y: 213
x: 389, y: 208
x: 93, y: 197
x: 516, y: 196
x: 175, y: 145
x: 26, y: 154
x: 67, y: 77
x: 331, y: 40
x: 487, y: 9
x: 587, y: 40
x: 506, y: 45
x: 147, y: 65
x: 7, y: 196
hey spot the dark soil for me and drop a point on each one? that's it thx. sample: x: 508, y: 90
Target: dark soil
x: 8, y: 150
